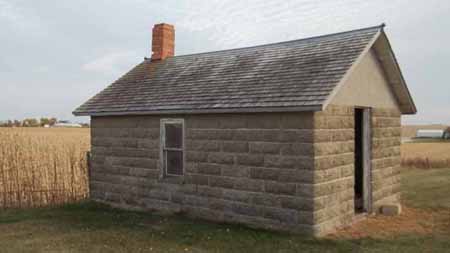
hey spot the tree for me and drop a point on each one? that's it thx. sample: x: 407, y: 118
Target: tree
x: 17, y: 123
x: 30, y: 122
x: 44, y: 121
x: 52, y: 121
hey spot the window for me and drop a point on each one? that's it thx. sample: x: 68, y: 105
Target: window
x: 172, y: 147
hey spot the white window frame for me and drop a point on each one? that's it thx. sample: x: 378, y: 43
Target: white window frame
x: 162, y: 142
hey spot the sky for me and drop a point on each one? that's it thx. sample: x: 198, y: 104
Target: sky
x: 54, y: 55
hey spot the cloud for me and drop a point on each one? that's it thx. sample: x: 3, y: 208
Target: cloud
x: 4, y: 66
x: 262, y: 21
x: 20, y: 20
x: 41, y: 69
x: 431, y: 115
x: 9, y: 12
x: 111, y: 62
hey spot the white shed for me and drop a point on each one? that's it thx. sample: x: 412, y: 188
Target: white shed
x: 430, y: 133
x: 60, y: 124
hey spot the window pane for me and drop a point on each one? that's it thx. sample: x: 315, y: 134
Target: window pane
x: 174, y: 136
x: 174, y: 161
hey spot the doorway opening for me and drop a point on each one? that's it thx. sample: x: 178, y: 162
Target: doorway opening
x: 362, y: 160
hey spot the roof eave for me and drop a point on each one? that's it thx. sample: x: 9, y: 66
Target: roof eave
x: 203, y: 111
x: 409, y: 107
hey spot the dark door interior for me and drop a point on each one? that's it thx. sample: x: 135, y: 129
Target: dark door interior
x: 363, y: 165
x: 359, y: 161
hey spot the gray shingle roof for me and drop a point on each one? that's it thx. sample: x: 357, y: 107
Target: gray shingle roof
x: 292, y: 75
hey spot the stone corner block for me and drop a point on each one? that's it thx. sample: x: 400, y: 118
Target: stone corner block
x: 391, y: 209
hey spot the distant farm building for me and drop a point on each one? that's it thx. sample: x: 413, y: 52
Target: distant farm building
x: 433, y: 133
x: 60, y: 124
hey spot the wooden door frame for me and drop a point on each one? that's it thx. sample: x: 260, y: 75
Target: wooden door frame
x: 367, y: 156
x: 366, y: 152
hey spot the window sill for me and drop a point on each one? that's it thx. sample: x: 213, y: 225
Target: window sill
x: 172, y: 179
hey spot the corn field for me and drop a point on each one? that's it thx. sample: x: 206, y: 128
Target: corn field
x: 42, y: 166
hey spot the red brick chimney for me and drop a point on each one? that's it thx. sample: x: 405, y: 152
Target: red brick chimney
x: 163, y: 41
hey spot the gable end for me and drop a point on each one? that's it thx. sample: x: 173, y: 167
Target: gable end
x: 381, y: 63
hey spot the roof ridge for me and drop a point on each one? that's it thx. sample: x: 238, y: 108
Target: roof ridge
x: 381, y: 26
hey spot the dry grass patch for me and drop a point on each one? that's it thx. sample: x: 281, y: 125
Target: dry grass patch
x: 426, y: 209
x: 411, y: 221
x: 426, y: 154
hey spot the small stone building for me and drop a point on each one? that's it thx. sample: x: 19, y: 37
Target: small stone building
x: 301, y: 136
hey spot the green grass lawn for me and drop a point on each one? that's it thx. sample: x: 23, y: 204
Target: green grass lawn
x: 90, y: 227
x: 426, y: 188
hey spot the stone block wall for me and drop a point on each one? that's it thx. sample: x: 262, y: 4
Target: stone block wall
x: 283, y: 171
x: 255, y: 169
x: 386, y: 134
x: 334, y: 164
x: 334, y: 168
